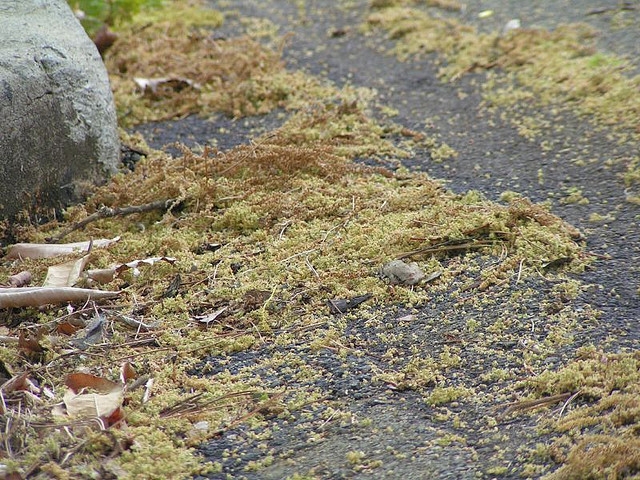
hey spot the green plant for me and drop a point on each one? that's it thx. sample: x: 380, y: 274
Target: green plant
x: 95, y: 14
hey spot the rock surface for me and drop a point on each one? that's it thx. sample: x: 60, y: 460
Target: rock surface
x: 59, y: 123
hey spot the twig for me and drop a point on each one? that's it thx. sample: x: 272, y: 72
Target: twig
x: 251, y: 413
x: 445, y: 248
x: 519, y: 271
x: 569, y: 400
x: 108, y: 212
x: 539, y: 402
x: 193, y: 404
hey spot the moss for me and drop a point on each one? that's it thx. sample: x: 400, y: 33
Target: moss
x: 608, y: 386
x: 354, y: 457
x: 590, y: 82
x: 297, y: 223
x: 443, y: 152
x: 444, y: 395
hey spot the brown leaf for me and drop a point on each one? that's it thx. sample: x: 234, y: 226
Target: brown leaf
x: 127, y: 372
x: 30, y: 344
x: 19, y: 383
x: 104, y: 38
x: 77, y: 381
x: 70, y: 327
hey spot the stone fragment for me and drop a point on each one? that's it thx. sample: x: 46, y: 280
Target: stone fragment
x: 401, y: 273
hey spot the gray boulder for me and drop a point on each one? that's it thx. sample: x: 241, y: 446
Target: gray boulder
x: 58, y: 124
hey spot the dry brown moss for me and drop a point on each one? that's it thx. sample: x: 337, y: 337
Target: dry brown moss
x: 235, y: 76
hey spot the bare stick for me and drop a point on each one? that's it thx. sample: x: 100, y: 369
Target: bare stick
x: 108, y: 212
x: 539, y: 402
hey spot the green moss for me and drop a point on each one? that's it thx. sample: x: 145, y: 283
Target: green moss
x: 444, y: 395
x: 297, y: 224
x: 608, y: 386
x: 443, y: 152
x: 548, y: 67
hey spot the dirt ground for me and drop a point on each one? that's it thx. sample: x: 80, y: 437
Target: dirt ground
x: 357, y: 427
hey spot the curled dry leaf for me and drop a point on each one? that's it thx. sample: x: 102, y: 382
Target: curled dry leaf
x: 127, y: 372
x: 401, y: 273
x: 341, y: 305
x: 65, y: 274
x: 46, y: 250
x: 151, y: 85
x: 20, y: 279
x: 147, y: 390
x: 77, y: 381
x: 206, y: 319
x: 92, y: 334
x: 19, y: 383
x: 105, y: 275
x: 38, y: 296
x: 104, y: 38
x: 105, y: 404
x: 101, y: 405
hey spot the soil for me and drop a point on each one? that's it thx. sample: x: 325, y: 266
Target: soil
x: 354, y: 426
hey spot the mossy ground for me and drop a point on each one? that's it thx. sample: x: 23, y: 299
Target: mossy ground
x: 271, y: 230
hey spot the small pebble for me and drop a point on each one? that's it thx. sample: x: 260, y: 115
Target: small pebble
x: 401, y: 273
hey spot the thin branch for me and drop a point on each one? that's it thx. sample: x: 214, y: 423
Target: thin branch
x: 445, y: 248
x: 108, y: 212
x: 539, y: 402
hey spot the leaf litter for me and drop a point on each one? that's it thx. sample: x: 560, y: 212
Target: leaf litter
x: 297, y: 225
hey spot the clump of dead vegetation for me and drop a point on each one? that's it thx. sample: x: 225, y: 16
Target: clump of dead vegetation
x: 170, y: 69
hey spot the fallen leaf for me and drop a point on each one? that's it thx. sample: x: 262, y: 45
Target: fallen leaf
x: 101, y: 405
x: 207, y: 319
x: 151, y: 85
x: 147, y: 390
x: 127, y: 372
x: 65, y: 274
x: 38, y: 296
x: 70, y: 326
x: 105, y: 275
x: 92, y: 334
x: 341, y: 305
x: 20, y: 279
x: 19, y: 383
x: 78, y: 381
x: 103, y: 39
x: 46, y: 250
x: 30, y: 345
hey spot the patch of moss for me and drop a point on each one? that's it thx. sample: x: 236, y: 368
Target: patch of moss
x: 444, y: 395
x: 559, y: 67
x: 295, y: 223
x: 602, y: 422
